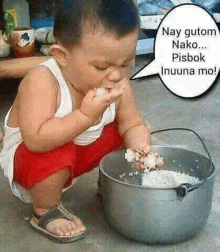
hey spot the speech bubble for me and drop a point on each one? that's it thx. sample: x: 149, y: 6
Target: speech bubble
x: 186, y: 51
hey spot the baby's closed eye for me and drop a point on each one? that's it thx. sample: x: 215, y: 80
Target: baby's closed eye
x: 101, y: 68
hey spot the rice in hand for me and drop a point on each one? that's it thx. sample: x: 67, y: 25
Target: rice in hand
x: 146, y: 161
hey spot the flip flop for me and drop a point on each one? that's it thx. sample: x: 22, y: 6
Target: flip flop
x: 57, y: 212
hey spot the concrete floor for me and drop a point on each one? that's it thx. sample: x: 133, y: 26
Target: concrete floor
x: 162, y: 110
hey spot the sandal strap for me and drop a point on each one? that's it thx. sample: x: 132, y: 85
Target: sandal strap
x: 57, y: 212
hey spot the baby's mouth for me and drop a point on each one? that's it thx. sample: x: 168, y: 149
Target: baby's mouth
x: 109, y: 89
x: 108, y: 86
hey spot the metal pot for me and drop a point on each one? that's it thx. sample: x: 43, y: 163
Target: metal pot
x: 157, y: 216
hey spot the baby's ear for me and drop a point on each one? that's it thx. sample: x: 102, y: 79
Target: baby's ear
x: 60, y: 53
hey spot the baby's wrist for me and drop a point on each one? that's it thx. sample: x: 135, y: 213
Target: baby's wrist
x: 87, y: 119
x: 140, y: 147
x: 145, y: 148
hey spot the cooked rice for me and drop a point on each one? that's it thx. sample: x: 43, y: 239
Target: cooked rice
x: 166, y: 179
x: 159, y: 178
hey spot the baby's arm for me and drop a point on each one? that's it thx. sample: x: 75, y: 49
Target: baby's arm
x: 40, y: 130
x: 132, y: 125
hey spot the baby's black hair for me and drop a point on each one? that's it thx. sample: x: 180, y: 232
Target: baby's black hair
x: 117, y: 16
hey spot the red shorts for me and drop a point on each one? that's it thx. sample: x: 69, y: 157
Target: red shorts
x: 31, y: 167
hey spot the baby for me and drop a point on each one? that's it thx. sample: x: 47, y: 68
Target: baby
x: 74, y: 109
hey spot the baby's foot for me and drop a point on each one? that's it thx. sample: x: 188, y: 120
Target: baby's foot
x: 62, y: 227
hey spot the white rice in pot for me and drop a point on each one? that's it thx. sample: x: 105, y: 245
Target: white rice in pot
x: 166, y: 179
x: 159, y: 178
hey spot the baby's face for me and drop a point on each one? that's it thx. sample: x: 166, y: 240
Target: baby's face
x: 100, y: 60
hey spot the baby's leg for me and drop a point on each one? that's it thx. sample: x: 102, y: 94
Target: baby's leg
x: 89, y: 156
x: 46, y: 194
x: 45, y: 175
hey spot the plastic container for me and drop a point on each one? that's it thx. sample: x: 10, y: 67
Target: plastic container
x: 16, y: 14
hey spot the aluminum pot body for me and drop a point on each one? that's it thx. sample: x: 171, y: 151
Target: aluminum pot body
x: 157, y: 216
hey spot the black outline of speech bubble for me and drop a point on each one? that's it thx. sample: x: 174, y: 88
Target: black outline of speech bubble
x: 132, y: 77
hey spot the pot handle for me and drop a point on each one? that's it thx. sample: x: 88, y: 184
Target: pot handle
x: 184, y: 188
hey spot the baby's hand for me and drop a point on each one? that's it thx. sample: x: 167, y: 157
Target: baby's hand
x: 93, y: 106
x: 158, y: 160
x: 144, y: 159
